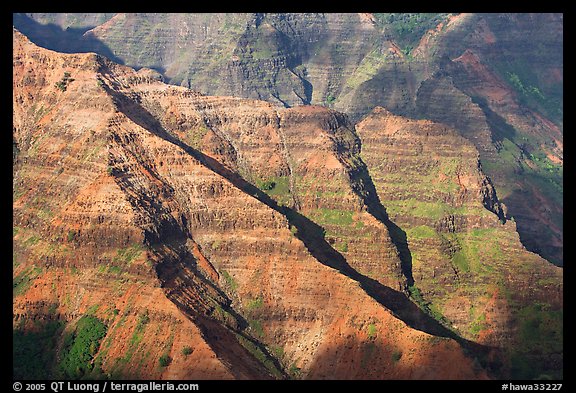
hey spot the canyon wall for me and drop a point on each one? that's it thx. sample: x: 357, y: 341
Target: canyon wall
x: 360, y: 196
x: 496, y: 78
x: 144, y: 219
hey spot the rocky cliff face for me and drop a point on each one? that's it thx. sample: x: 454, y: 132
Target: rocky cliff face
x: 496, y: 78
x: 145, y: 221
x: 77, y: 248
x: 509, y: 66
x: 466, y: 263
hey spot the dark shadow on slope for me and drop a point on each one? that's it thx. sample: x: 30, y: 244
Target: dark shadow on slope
x: 498, y: 125
x: 217, y: 329
x: 365, y: 189
x: 53, y: 37
x: 220, y: 331
x: 246, y: 362
x: 375, y: 359
x: 541, y: 233
x: 529, y: 225
x: 310, y: 233
x: 188, y: 288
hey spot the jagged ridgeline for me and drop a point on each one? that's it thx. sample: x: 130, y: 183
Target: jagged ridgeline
x: 162, y: 233
x: 496, y: 78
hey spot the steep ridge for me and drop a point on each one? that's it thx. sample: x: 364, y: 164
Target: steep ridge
x: 310, y: 233
x: 469, y: 269
x: 260, y: 144
x: 503, y: 73
x: 496, y: 78
x: 192, y: 271
x: 78, y: 250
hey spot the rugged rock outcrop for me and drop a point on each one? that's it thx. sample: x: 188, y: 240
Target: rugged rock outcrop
x: 77, y: 246
x: 146, y: 207
x: 467, y: 265
x: 496, y: 78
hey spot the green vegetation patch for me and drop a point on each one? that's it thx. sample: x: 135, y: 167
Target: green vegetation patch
x: 367, y: 69
x: 396, y: 356
x: 127, y: 255
x: 133, y: 343
x: 460, y: 260
x: 277, y: 187
x: 230, y: 281
x: 278, y: 351
x: 421, y: 232
x: 257, y: 328
x: 195, y: 135
x: 372, y: 331
x: 332, y: 217
x: 408, y: 28
x: 520, y: 76
x: 31, y: 241
x: 254, y: 304
x: 259, y: 355
x: 264, y: 47
x: 541, y: 333
x: 426, y: 306
x: 342, y: 246
x: 80, y: 347
x: 416, y: 295
x: 63, y: 83
x: 541, y: 328
x: 478, y: 325
x: 164, y: 360
x: 480, y: 233
x: 295, y: 371
x: 330, y: 99
x: 423, y: 209
x: 187, y: 351
x: 22, y: 282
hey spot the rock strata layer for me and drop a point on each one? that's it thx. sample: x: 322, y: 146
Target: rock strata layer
x: 219, y: 237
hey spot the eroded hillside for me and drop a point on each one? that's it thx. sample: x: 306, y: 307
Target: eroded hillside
x: 194, y: 236
x: 496, y: 78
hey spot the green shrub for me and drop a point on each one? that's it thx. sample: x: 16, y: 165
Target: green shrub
x: 255, y: 304
x: 62, y: 84
x: 372, y: 330
x: 143, y: 319
x: 164, y: 360
x: 295, y: 371
x: 259, y: 355
x: 22, y: 282
x: 229, y: 280
x: 416, y: 295
x: 267, y: 185
x: 461, y: 262
x: 187, y: 351
x: 408, y: 28
x: 71, y: 235
x: 127, y: 255
x: 257, y: 328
